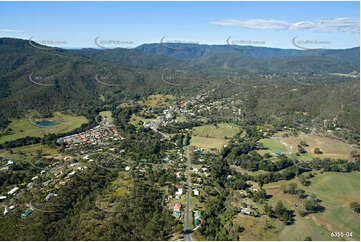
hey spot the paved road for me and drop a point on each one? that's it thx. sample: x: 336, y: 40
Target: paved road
x: 187, y: 231
x: 161, y: 133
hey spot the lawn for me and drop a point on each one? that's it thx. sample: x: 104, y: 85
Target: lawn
x: 25, y: 126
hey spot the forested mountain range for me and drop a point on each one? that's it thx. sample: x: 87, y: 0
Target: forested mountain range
x: 49, y: 79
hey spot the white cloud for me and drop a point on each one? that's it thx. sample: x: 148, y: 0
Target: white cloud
x: 11, y: 30
x: 330, y: 25
x: 325, y: 25
x: 254, y: 24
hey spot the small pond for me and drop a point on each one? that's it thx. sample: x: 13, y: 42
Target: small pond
x: 44, y: 124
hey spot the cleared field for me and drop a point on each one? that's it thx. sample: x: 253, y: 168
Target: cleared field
x: 25, y: 127
x: 331, y: 148
x: 255, y: 229
x: 209, y: 136
x: 207, y: 143
x: 273, y: 145
x: 106, y: 114
x: 135, y: 119
x: 336, y: 190
x: 157, y: 100
x: 28, y: 149
x: 210, y: 131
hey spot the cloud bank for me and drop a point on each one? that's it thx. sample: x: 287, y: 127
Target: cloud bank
x: 324, y: 25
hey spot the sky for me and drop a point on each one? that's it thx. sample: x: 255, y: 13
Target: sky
x: 287, y: 25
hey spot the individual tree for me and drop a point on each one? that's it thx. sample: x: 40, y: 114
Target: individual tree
x: 317, y: 151
x: 279, y: 209
x: 355, y: 206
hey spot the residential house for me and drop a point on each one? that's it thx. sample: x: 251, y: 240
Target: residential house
x: 12, y: 191
x: 179, y: 192
x: 245, y: 211
x: 26, y: 213
x: 50, y: 195
x: 47, y: 182
x: 197, y: 217
x: 177, y: 210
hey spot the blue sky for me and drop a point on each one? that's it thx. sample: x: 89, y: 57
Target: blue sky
x: 129, y: 24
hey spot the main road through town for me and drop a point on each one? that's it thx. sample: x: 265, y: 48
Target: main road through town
x: 187, y: 230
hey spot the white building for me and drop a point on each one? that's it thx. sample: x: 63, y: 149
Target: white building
x: 71, y: 173
x: 179, y: 192
x: 5, y: 210
x: 195, y: 192
x: 12, y: 191
x: 50, y: 195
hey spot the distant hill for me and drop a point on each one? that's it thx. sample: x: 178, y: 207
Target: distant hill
x: 253, y: 59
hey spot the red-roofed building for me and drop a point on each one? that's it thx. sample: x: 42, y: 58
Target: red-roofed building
x: 177, y: 207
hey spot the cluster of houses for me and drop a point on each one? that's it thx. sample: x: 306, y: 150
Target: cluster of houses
x: 92, y: 136
x: 55, y: 178
x: 195, y: 107
x: 10, y: 196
